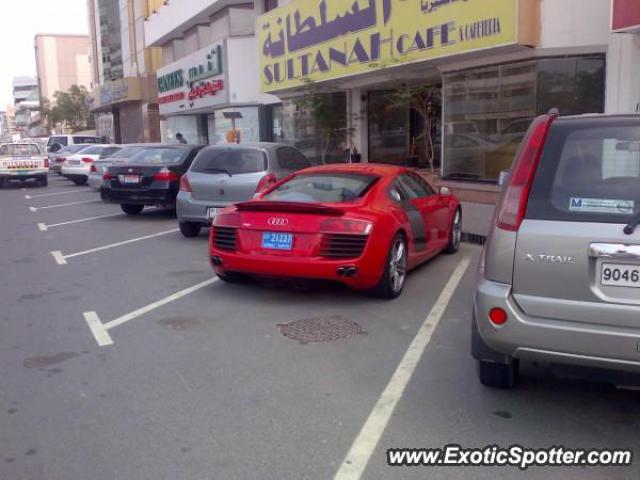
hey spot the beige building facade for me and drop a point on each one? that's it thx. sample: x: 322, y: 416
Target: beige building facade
x: 61, y: 61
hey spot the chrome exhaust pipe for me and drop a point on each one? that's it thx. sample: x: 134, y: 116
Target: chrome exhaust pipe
x: 341, y: 271
x: 352, y: 272
x: 216, y: 260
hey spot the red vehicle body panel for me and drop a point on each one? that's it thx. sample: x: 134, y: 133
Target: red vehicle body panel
x: 308, y: 258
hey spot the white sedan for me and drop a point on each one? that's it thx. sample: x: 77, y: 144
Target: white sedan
x: 77, y: 167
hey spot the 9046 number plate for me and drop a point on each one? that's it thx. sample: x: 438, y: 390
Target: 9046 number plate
x: 620, y: 275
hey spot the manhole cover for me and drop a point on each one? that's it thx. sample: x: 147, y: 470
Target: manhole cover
x: 320, y: 329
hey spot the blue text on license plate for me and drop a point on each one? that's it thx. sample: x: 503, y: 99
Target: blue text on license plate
x: 277, y: 241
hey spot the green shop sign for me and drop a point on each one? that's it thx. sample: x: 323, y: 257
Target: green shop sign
x: 171, y: 81
x: 211, y: 67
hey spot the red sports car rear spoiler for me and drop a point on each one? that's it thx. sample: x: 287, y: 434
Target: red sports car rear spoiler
x: 293, y: 207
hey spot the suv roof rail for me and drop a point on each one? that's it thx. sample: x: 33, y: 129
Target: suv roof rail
x: 554, y: 112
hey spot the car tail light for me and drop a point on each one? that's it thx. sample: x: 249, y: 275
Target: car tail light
x: 514, y: 202
x: 185, y: 186
x: 87, y: 160
x: 93, y: 169
x: 46, y: 162
x: 353, y: 227
x: 166, y: 175
x: 498, y: 316
x: 107, y: 176
x: 266, y: 182
x: 60, y: 159
x: 227, y: 219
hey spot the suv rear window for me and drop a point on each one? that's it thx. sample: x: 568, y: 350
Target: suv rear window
x: 323, y: 188
x: 233, y: 161
x: 81, y: 140
x: 589, y: 172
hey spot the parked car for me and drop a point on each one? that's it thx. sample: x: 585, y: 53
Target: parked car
x: 365, y: 226
x: 151, y: 177
x: 559, y: 279
x: 99, y: 167
x: 58, y: 142
x: 56, y: 159
x: 226, y: 174
x: 23, y: 161
x: 77, y: 167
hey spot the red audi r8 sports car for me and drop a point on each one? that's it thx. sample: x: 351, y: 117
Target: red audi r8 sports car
x: 363, y: 225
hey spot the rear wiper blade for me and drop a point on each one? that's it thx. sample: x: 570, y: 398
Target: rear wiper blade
x: 221, y: 170
x: 633, y: 224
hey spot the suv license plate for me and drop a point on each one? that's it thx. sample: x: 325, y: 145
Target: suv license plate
x: 129, y: 179
x: 277, y: 241
x: 212, y: 212
x: 620, y: 275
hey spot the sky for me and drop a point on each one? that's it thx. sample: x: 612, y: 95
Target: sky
x: 20, y: 20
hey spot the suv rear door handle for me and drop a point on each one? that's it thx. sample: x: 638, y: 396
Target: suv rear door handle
x: 613, y: 250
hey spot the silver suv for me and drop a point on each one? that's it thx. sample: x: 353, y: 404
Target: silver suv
x: 225, y: 174
x: 559, y: 278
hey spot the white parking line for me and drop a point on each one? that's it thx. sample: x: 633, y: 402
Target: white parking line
x: 35, y: 209
x: 365, y: 443
x: 44, y: 227
x: 62, y: 259
x: 101, y: 330
x: 28, y: 197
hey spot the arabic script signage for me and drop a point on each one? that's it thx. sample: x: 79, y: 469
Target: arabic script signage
x: 626, y: 15
x: 325, y: 39
x: 194, y: 82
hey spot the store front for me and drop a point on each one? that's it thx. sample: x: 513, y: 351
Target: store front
x: 126, y: 110
x: 449, y: 85
x: 623, y: 65
x: 195, y: 93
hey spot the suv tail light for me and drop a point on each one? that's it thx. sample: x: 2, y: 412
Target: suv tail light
x: 93, y: 169
x: 514, y: 202
x: 353, y: 227
x: 166, y: 175
x: 87, y: 160
x: 185, y: 186
x: 266, y: 182
x: 46, y: 162
x: 107, y: 176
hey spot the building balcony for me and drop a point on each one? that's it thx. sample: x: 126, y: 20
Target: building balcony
x: 172, y: 20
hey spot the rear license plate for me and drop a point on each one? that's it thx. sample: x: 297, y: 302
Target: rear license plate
x: 277, y: 241
x: 73, y: 162
x: 212, y: 212
x: 129, y: 179
x: 620, y: 275
x: 24, y: 172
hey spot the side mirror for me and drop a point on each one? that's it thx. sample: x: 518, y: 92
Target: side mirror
x: 445, y: 191
x: 504, y: 176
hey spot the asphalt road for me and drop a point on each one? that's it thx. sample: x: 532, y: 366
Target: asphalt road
x: 205, y: 386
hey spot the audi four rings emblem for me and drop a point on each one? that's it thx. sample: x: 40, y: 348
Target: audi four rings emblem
x: 278, y: 222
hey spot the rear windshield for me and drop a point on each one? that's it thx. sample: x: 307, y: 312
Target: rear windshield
x: 233, y: 161
x: 128, y: 152
x: 108, y: 151
x: 160, y: 156
x: 589, y: 172
x: 323, y: 188
x: 95, y: 150
x: 19, y: 150
x: 86, y: 140
x: 73, y: 149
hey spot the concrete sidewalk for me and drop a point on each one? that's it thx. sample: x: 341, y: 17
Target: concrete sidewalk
x: 476, y: 218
